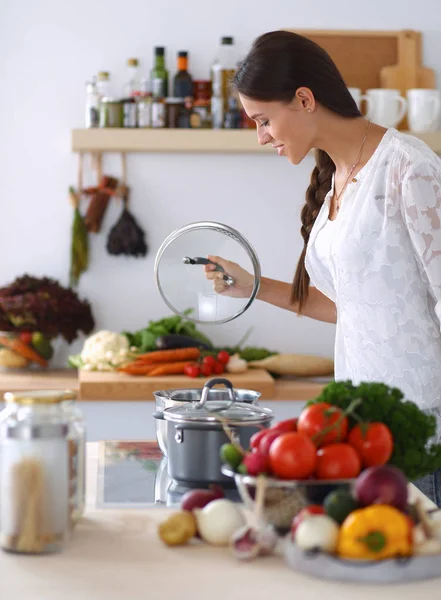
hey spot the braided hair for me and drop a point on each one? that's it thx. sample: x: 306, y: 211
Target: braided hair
x: 278, y: 63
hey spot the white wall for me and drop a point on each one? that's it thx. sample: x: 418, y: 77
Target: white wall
x: 49, y: 48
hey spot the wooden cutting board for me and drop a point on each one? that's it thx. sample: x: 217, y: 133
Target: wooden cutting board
x: 120, y: 387
x: 408, y: 72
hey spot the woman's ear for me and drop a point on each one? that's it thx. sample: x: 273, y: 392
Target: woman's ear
x: 306, y: 99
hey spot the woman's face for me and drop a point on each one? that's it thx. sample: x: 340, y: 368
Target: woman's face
x: 289, y: 128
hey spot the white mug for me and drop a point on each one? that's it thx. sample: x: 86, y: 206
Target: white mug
x: 387, y: 107
x: 359, y: 97
x: 424, y: 110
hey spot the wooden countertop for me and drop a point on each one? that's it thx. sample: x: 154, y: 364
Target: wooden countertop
x: 284, y: 389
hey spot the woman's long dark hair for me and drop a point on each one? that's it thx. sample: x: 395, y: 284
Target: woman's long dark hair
x: 278, y: 64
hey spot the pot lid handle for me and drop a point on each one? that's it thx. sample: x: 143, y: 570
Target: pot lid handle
x: 210, y: 384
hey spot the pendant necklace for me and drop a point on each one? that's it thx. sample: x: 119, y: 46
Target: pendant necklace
x: 354, y: 166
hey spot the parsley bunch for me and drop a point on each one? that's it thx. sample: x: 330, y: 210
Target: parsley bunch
x: 414, y: 452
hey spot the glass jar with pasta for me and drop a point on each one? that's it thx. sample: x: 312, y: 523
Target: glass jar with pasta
x: 34, y: 482
x: 58, y: 405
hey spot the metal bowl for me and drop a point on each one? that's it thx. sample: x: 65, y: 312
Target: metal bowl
x: 168, y: 398
x: 285, y: 498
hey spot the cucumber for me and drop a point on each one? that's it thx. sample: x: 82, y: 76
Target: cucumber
x: 339, y: 504
x: 173, y: 341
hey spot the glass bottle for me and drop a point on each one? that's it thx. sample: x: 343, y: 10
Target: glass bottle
x: 92, y: 114
x: 34, y: 482
x: 132, y: 85
x: 223, y: 70
x: 159, y: 74
x: 233, y: 116
x: 182, y: 83
x: 58, y: 406
x: 103, y: 84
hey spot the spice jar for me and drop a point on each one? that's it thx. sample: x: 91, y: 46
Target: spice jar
x: 111, y: 112
x: 58, y: 405
x: 158, y: 113
x: 34, y: 500
x: 173, y: 110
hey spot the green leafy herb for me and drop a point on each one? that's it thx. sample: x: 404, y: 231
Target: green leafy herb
x: 413, y: 430
x: 145, y: 339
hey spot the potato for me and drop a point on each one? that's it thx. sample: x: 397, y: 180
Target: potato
x: 12, y: 360
x: 178, y: 529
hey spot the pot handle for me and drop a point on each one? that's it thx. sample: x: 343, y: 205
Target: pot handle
x: 211, y: 383
x: 159, y: 415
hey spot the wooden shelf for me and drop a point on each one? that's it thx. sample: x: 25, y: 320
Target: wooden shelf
x: 167, y: 140
x: 186, y: 140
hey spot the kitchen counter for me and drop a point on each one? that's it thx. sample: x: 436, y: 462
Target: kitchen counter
x: 131, y: 417
x: 115, y: 554
x: 289, y: 389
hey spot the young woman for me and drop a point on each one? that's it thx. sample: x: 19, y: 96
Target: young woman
x: 371, y: 224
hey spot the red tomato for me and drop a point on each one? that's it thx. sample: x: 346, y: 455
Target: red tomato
x: 25, y: 337
x: 373, y: 442
x: 219, y: 368
x: 206, y: 370
x: 285, y: 426
x: 317, y: 417
x: 256, y: 437
x: 337, y: 461
x: 223, y: 357
x: 192, y: 370
x: 267, y: 441
x: 293, y: 456
x: 209, y: 360
x: 312, y: 509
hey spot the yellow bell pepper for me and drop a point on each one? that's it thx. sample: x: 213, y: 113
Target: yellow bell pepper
x: 375, y: 533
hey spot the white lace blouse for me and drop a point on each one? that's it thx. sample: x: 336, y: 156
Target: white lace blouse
x: 380, y: 262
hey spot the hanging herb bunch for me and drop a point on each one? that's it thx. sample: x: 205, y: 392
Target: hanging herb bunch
x: 79, y: 246
x: 126, y: 236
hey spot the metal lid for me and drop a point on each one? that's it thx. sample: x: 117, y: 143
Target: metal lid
x: 27, y: 431
x: 237, y: 413
x: 103, y: 75
x: 181, y: 279
x: 108, y: 100
x: 33, y: 397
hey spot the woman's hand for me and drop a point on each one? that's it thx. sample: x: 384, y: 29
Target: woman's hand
x: 243, y: 281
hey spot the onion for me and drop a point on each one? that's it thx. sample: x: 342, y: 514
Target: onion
x: 218, y: 521
x: 384, y: 484
x: 200, y: 498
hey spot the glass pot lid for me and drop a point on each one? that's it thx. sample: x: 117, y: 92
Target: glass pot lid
x: 237, y: 413
x: 181, y: 279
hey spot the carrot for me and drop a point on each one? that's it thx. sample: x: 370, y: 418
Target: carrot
x: 137, y: 369
x: 23, y: 349
x: 178, y: 355
x: 175, y: 368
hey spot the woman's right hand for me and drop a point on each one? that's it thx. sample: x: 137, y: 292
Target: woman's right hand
x: 243, y: 281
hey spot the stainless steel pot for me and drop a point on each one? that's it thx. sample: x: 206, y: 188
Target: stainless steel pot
x: 178, y: 397
x: 195, y: 434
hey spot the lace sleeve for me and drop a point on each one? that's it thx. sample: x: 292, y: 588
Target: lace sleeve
x: 421, y: 207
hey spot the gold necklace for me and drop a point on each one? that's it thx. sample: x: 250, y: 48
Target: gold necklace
x: 354, y: 166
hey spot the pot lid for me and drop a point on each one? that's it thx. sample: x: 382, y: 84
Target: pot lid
x: 216, y: 411
x: 181, y: 279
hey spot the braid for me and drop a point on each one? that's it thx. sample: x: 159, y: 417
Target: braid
x: 319, y: 186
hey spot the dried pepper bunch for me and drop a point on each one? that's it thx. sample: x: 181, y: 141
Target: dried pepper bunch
x: 42, y: 304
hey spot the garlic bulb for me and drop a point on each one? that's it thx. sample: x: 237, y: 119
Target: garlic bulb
x: 236, y: 364
x: 218, y: 521
x: 250, y: 542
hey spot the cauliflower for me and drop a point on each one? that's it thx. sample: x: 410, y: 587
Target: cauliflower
x: 104, y: 351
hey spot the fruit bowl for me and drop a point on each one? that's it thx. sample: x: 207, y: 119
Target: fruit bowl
x: 284, y: 498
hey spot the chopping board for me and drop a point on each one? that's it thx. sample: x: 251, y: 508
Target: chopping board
x: 408, y: 72
x: 119, y: 386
